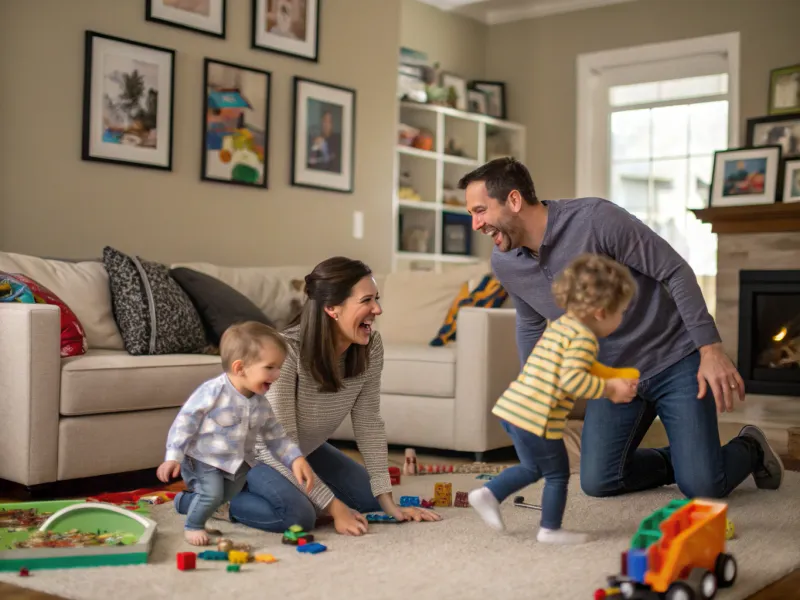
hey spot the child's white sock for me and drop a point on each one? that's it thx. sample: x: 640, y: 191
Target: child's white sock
x: 487, y: 506
x: 561, y: 536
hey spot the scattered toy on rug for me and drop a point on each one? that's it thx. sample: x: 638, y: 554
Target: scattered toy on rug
x: 409, y: 501
x: 394, y: 475
x: 312, y: 548
x: 443, y: 494
x: 233, y: 568
x: 410, y: 465
x: 730, y: 532
x: 24, y: 572
x: 238, y: 557
x: 212, y: 555
x: 461, y: 500
x: 226, y: 545
x: 485, y: 476
x: 187, y: 561
x: 380, y: 518
x: 265, y: 558
x: 519, y: 502
x: 294, y: 534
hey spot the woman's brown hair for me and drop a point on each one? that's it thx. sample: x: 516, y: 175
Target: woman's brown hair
x: 330, y: 284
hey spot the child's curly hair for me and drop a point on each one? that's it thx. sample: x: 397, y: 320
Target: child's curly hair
x: 592, y: 282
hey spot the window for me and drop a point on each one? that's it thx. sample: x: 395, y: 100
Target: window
x: 649, y: 122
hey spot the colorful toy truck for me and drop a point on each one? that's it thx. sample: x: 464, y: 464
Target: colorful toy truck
x: 678, y: 553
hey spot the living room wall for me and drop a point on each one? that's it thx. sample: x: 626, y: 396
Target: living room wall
x: 54, y: 204
x: 537, y: 58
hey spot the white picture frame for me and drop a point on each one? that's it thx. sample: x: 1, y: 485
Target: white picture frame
x: 791, y: 180
x: 289, y: 27
x: 745, y: 176
x: 201, y: 16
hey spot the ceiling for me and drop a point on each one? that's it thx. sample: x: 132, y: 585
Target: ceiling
x: 493, y: 12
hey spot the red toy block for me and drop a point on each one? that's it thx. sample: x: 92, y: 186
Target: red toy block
x: 301, y: 541
x: 394, y: 475
x: 186, y: 561
x: 23, y: 572
x: 462, y: 500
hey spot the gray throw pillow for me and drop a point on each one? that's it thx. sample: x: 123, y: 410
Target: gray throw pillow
x: 153, y: 313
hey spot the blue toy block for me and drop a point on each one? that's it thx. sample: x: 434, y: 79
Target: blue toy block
x: 312, y: 548
x: 380, y: 518
x: 409, y: 500
x: 637, y: 564
x: 212, y: 555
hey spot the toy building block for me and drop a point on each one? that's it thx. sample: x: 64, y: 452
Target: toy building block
x: 410, y: 465
x: 233, y: 568
x: 23, y: 572
x: 380, y: 518
x: 212, y: 555
x: 294, y: 534
x: 296, y: 529
x: 409, y: 501
x: 186, y: 561
x: 301, y: 542
x: 313, y: 548
x: 462, y: 501
x: 238, y: 557
x: 443, y: 494
x: 730, y: 532
x: 265, y: 558
x: 427, y: 503
x: 394, y: 475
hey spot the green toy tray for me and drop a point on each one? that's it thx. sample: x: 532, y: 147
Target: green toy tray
x: 136, y: 529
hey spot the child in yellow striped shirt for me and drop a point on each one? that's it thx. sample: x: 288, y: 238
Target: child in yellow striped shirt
x: 594, y: 292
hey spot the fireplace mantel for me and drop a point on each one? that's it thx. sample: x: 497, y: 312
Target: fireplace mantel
x: 761, y: 218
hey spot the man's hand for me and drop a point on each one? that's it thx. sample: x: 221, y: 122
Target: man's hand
x: 303, y: 473
x: 168, y: 470
x: 621, y: 391
x: 718, y: 370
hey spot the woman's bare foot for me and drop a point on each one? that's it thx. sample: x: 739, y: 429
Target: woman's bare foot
x: 197, y: 537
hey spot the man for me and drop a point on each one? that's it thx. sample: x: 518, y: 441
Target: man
x: 667, y: 333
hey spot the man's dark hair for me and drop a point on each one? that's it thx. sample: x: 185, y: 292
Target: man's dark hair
x: 502, y: 176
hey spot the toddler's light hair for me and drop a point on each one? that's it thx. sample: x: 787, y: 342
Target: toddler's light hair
x: 244, y: 341
x: 592, y: 282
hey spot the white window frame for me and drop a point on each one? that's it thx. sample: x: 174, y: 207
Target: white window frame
x: 595, y: 70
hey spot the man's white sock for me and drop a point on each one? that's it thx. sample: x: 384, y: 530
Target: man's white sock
x: 561, y: 536
x: 487, y: 506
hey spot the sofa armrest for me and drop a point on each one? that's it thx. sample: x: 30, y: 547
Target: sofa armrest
x: 486, y: 362
x: 30, y: 382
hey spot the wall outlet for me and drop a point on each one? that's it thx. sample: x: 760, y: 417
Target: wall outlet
x: 358, y: 224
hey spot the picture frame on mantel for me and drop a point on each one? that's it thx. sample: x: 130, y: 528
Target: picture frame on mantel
x: 745, y: 176
x: 200, y: 16
x: 783, y: 130
x: 128, y: 102
x: 784, y: 90
x: 791, y: 181
x: 288, y: 27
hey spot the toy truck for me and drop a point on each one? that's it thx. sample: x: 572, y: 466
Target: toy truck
x: 678, y: 553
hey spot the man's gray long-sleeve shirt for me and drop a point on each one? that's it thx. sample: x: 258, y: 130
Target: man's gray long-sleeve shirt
x: 667, y: 319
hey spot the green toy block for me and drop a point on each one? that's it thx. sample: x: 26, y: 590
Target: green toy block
x: 232, y: 568
x: 649, y: 531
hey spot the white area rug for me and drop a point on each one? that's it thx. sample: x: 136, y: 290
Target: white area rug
x: 457, y: 558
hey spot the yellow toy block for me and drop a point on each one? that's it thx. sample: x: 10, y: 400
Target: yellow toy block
x: 265, y: 558
x: 443, y: 494
x: 601, y: 370
x: 238, y: 557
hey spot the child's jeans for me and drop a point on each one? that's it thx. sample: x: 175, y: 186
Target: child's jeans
x: 538, y: 457
x: 212, y: 488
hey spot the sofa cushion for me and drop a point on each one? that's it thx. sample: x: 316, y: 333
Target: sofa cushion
x: 419, y: 370
x: 219, y: 305
x: 106, y: 381
x: 485, y: 293
x: 83, y: 286
x: 154, y: 314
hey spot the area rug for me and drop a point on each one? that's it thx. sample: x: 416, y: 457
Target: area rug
x: 456, y: 558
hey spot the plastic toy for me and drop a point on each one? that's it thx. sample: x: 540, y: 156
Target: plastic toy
x: 265, y: 558
x: 462, y: 500
x: 730, y: 532
x: 233, y: 568
x: 409, y: 501
x: 443, y: 494
x: 186, y: 561
x: 238, y: 557
x: 312, y: 548
x: 601, y: 370
x: 394, y: 475
x: 677, y: 553
x: 23, y: 572
x: 519, y: 502
x: 212, y: 555
x: 295, y: 533
x: 410, y: 465
x: 427, y: 503
x: 380, y: 518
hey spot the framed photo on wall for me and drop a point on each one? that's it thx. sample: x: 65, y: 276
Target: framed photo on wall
x: 459, y: 86
x: 745, y: 176
x: 323, y: 140
x: 128, y: 100
x: 288, y: 27
x: 236, y: 104
x: 495, y: 97
x: 201, y: 16
x: 784, y: 90
x: 791, y: 180
x: 781, y: 130
x: 477, y: 102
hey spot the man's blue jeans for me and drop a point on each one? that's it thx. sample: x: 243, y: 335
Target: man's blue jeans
x: 271, y: 502
x: 209, y: 489
x: 538, y: 457
x: 612, y: 462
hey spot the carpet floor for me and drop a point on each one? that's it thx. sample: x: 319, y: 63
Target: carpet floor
x: 458, y: 557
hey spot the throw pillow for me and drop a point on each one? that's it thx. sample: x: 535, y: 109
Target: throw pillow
x: 219, y: 305
x: 15, y: 287
x: 488, y: 293
x: 153, y: 313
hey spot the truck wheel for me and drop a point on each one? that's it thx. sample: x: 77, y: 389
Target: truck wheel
x: 681, y: 590
x: 726, y: 570
x: 703, y: 582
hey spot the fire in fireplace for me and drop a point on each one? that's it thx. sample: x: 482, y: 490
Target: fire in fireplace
x: 769, y: 331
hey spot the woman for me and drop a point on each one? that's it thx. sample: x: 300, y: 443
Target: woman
x: 332, y: 371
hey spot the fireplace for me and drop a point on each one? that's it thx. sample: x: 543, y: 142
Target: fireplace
x: 769, y: 331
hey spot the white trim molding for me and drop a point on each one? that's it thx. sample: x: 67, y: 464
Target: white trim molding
x: 594, y: 69
x: 544, y: 8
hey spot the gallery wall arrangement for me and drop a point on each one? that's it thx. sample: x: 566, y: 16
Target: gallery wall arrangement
x: 129, y: 98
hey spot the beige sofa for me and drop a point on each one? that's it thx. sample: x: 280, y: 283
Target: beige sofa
x: 109, y: 412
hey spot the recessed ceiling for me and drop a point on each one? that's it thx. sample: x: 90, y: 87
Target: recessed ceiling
x: 493, y: 12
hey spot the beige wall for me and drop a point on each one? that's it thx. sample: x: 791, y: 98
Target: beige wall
x: 52, y: 203
x: 537, y: 59
x: 456, y: 42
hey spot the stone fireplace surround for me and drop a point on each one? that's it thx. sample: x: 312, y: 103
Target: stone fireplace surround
x: 754, y: 238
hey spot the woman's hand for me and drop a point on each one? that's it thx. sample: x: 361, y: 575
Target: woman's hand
x: 406, y: 513
x: 346, y: 520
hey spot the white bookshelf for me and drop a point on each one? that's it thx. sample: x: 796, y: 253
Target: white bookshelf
x: 434, y: 174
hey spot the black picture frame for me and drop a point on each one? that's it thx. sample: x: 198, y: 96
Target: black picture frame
x: 330, y: 96
x: 790, y: 146
x: 279, y: 44
x: 489, y: 88
x: 460, y: 225
x: 771, y: 191
x: 152, y: 16
x: 105, y: 144
x: 246, y: 154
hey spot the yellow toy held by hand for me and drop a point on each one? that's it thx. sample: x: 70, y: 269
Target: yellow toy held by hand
x: 601, y: 370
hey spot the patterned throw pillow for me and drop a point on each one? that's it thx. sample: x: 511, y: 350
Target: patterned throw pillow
x: 488, y: 293
x: 153, y: 313
x: 15, y: 287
